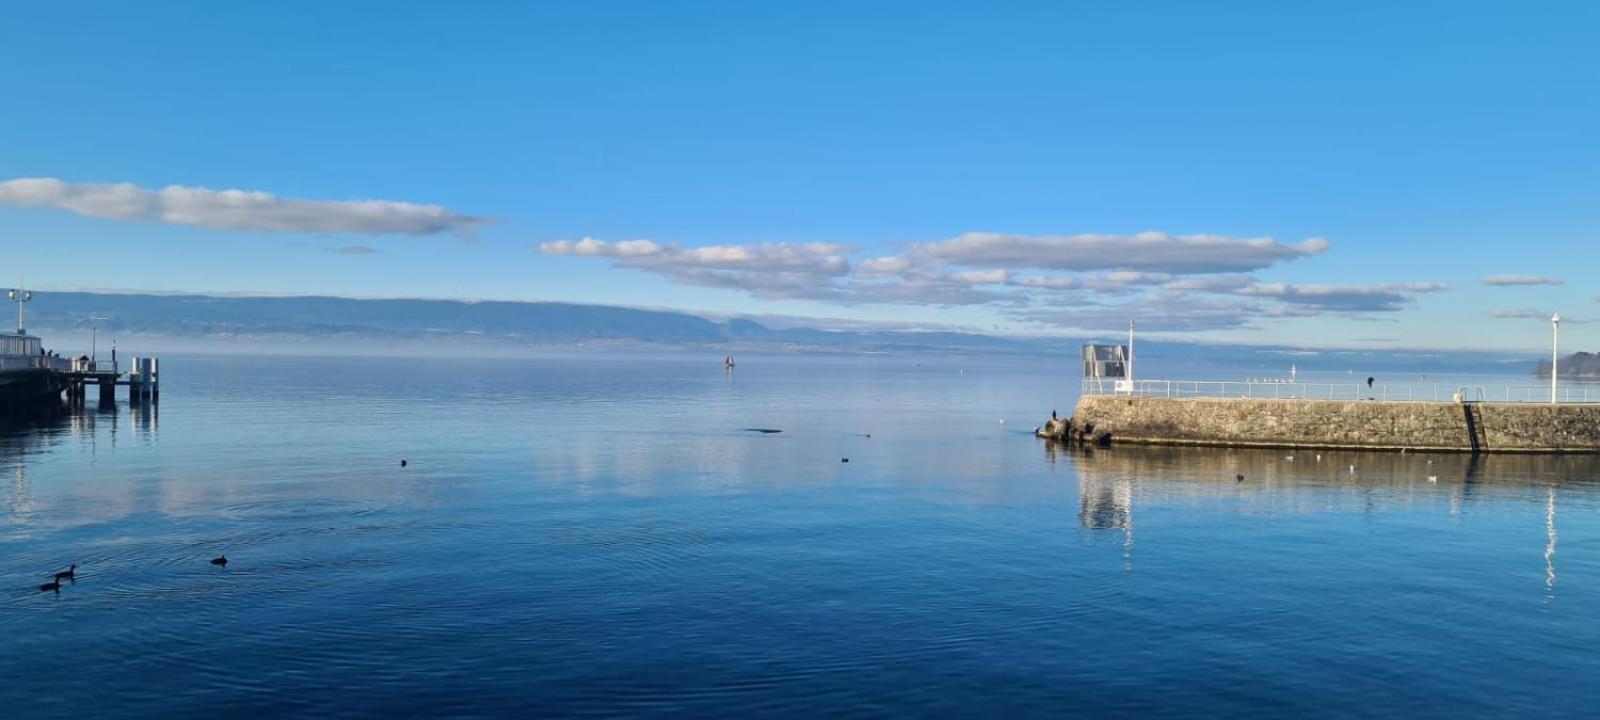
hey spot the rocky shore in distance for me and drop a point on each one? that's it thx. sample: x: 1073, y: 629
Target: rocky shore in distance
x: 1577, y: 366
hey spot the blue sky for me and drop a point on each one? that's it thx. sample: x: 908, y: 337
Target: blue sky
x: 1025, y: 168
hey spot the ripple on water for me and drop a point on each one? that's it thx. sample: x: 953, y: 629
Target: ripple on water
x: 301, y: 509
x: 277, y: 548
x: 649, y: 550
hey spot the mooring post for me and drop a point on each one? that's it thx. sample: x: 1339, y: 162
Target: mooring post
x: 136, y: 381
x: 108, y: 388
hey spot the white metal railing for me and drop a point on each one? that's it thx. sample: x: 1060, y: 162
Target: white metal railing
x: 1277, y: 390
x: 34, y: 362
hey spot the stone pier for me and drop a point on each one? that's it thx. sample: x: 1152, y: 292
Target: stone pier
x: 1375, y: 425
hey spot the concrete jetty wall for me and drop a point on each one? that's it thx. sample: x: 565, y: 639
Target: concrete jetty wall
x: 1488, y: 427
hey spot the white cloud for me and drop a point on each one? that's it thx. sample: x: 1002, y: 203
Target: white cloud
x: 980, y: 277
x: 1519, y: 314
x: 1534, y: 314
x: 238, y: 209
x: 883, y: 266
x: 1119, y: 281
x: 813, y: 271
x: 1344, y: 298
x: 596, y: 248
x: 1212, y: 283
x: 1146, y: 252
x: 826, y: 259
x: 921, y: 287
x: 1511, y: 280
x: 1049, y: 282
x: 1160, y: 312
x: 1129, y: 277
x: 765, y: 270
x: 1186, y: 295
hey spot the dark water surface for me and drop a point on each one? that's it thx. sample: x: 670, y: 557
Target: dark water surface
x: 601, y: 536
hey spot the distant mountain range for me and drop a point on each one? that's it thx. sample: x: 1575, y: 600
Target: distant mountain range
x: 408, y: 321
x: 331, y: 325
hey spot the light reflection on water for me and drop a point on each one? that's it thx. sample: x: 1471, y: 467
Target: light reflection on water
x: 600, y: 536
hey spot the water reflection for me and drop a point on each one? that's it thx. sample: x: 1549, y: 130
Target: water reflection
x: 23, y: 437
x: 1106, y: 503
x: 146, y: 418
x: 18, y: 500
x: 1403, y: 476
x: 1112, y: 482
x: 1550, y: 545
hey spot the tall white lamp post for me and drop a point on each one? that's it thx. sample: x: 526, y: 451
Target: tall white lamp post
x: 20, y: 297
x: 1555, y: 353
x: 1130, y: 356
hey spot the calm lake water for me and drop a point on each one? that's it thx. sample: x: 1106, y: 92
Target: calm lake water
x: 600, y: 536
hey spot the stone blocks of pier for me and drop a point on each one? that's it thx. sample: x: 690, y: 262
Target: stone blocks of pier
x: 1499, y: 427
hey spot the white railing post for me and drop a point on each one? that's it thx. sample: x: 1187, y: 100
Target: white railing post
x: 1245, y: 389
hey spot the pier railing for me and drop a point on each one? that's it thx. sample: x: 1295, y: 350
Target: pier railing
x: 1571, y: 393
x: 34, y: 362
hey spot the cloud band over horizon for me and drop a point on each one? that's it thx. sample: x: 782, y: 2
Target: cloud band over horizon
x: 1182, y: 283
x: 238, y: 209
x: 1513, y: 280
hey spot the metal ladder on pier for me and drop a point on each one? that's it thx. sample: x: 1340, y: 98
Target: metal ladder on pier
x: 1476, y: 436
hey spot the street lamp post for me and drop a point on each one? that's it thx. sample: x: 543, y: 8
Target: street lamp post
x: 1130, y: 356
x: 1555, y: 353
x: 20, y: 297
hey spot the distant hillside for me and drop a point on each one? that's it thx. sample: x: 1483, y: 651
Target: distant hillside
x: 331, y: 325
x: 1577, y: 366
x: 515, y: 323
